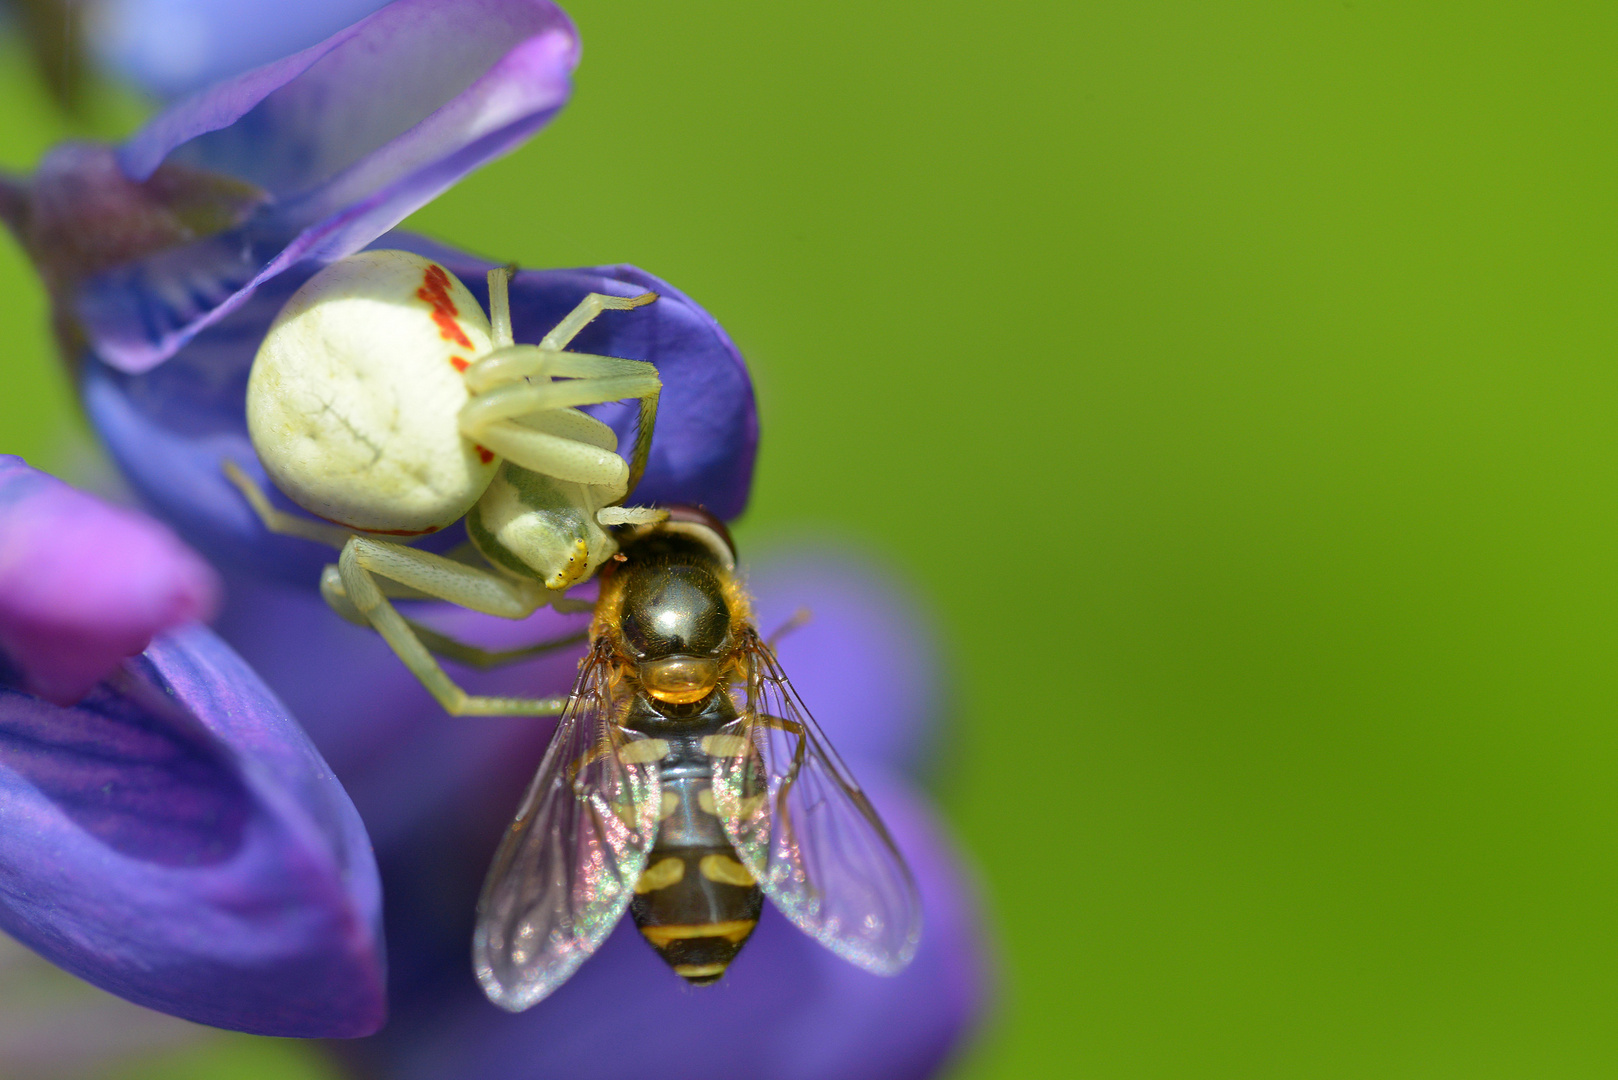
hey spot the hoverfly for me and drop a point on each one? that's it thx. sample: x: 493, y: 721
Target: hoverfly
x: 686, y: 782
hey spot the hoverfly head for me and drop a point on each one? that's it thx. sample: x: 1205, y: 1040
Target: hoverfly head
x: 675, y: 613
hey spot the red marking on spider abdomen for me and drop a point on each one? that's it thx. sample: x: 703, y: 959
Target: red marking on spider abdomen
x: 460, y: 363
x: 483, y: 455
x: 435, y: 291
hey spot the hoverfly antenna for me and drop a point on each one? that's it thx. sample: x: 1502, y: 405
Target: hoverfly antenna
x: 699, y: 525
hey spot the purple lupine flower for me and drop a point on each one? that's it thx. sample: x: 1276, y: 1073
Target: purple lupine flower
x: 214, y: 868
x: 167, y: 258
x: 173, y: 47
x: 164, y: 288
x: 169, y: 832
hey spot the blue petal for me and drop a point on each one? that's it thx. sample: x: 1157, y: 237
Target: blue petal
x: 172, y: 47
x: 175, y: 838
x: 345, y: 139
x: 407, y: 765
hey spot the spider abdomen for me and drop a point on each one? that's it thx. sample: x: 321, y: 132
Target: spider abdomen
x: 353, y: 399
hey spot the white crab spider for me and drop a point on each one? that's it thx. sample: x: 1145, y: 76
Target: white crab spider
x: 385, y: 402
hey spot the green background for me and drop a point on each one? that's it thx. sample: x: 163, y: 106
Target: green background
x: 1238, y: 382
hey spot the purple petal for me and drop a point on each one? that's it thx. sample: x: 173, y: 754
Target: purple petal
x: 176, y: 839
x: 345, y: 138
x: 786, y: 1009
x: 172, y: 47
x: 171, y: 429
x: 707, y: 422
x: 407, y: 765
x: 83, y: 585
x: 867, y: 663
x: 435, y: 791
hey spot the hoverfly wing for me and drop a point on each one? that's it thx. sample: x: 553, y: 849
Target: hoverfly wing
x: 805, y: 830
x: 566, y: 868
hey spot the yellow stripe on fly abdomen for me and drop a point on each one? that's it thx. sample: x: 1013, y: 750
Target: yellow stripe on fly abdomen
x: 734, y: 931
x: 699, y: 952
x: 660, y: 875
x: 725, y: 870
x: 700, y: 972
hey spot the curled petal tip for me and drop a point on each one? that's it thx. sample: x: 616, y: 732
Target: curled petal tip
x: 343, y: 139
x: 84, y: 585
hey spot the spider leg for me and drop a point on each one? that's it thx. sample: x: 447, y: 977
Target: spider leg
x: 591, y: 306
x: 364, y: 560
x: 445, y: 645
x: 279, y: 521
x: 500, y: 304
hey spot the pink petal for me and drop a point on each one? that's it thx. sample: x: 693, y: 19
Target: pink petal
x: 83, y: 584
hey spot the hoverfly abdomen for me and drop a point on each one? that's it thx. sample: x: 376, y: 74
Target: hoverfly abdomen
x: 695, y: 903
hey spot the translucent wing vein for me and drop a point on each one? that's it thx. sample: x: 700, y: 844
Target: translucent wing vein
x: 806, y: 831
x: 567, y: 867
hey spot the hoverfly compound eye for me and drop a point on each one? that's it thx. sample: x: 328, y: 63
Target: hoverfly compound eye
x: 671, y: 611
x: 699, y: 525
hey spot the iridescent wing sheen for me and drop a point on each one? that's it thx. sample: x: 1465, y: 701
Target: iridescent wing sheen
x: 804, y: 828
x: 567, y: 867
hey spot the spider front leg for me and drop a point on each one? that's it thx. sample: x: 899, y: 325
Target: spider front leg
x: 369, y: 568
x: 440, y: 644
x: 515, y: 390
x: 593, y: 304
x: 491, y: 419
